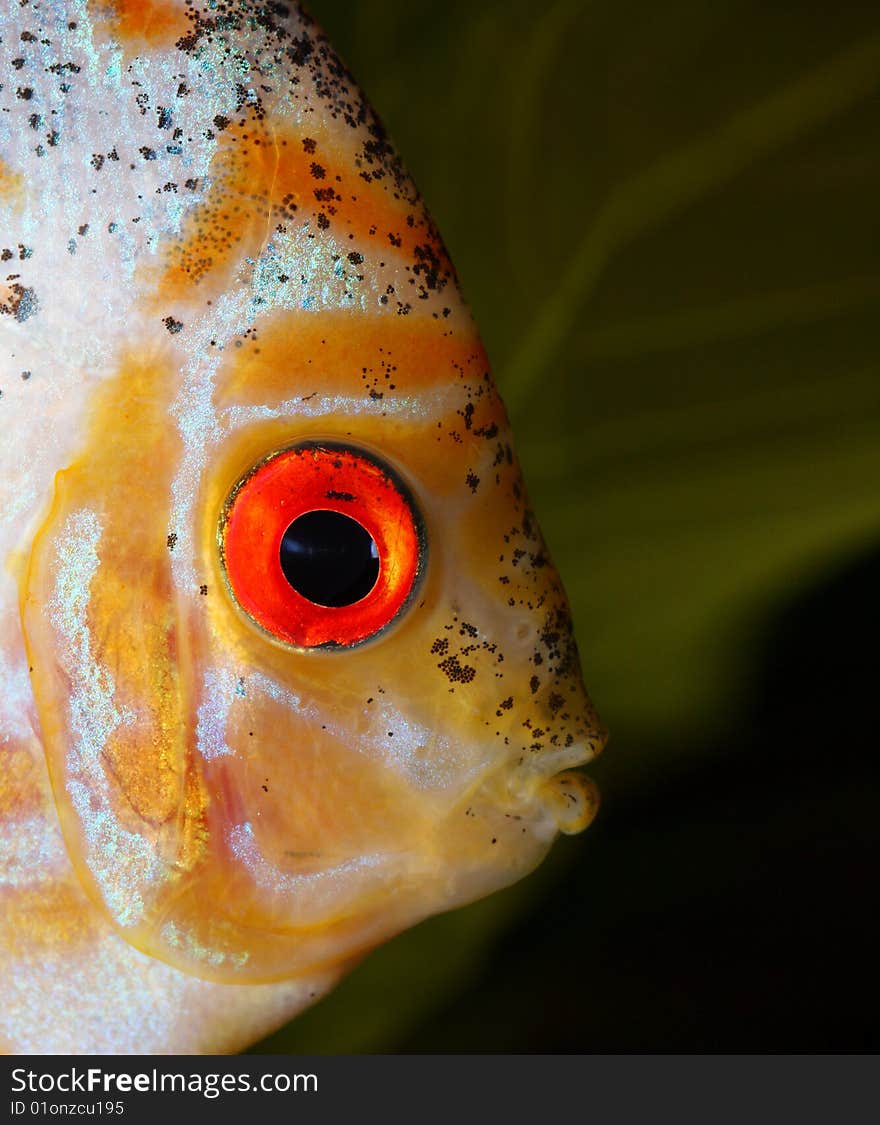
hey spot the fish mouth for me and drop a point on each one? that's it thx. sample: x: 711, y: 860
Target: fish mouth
x: 552, y: 783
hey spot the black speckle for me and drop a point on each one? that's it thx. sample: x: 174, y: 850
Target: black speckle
x: 456, y: 672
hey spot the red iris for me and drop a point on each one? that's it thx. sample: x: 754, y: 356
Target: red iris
x: 322, y: 545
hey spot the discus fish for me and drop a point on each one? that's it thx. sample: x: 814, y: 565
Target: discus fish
x: 286, y: 666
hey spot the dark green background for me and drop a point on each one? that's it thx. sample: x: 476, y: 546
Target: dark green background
x: 666, y: 219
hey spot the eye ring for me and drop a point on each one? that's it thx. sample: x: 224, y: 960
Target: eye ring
x: 299, y: 480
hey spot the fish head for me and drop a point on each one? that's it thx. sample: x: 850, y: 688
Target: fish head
x: 303, y: 669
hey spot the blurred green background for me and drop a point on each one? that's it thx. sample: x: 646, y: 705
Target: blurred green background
x: 666, y: 219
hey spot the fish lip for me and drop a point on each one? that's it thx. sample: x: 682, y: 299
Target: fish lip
x: 550, y: 762
x: 538, y: 782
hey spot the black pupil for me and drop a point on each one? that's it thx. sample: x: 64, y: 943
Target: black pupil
x: 329, y: 558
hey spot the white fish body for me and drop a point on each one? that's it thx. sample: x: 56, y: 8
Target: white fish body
x: 210, y: 256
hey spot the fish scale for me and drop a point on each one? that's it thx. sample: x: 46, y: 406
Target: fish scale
x: 214, y: 264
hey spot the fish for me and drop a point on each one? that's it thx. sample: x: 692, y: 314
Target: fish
x: 286, y: 666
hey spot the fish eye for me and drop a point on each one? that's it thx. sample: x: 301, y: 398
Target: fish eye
x: 321, y: 545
